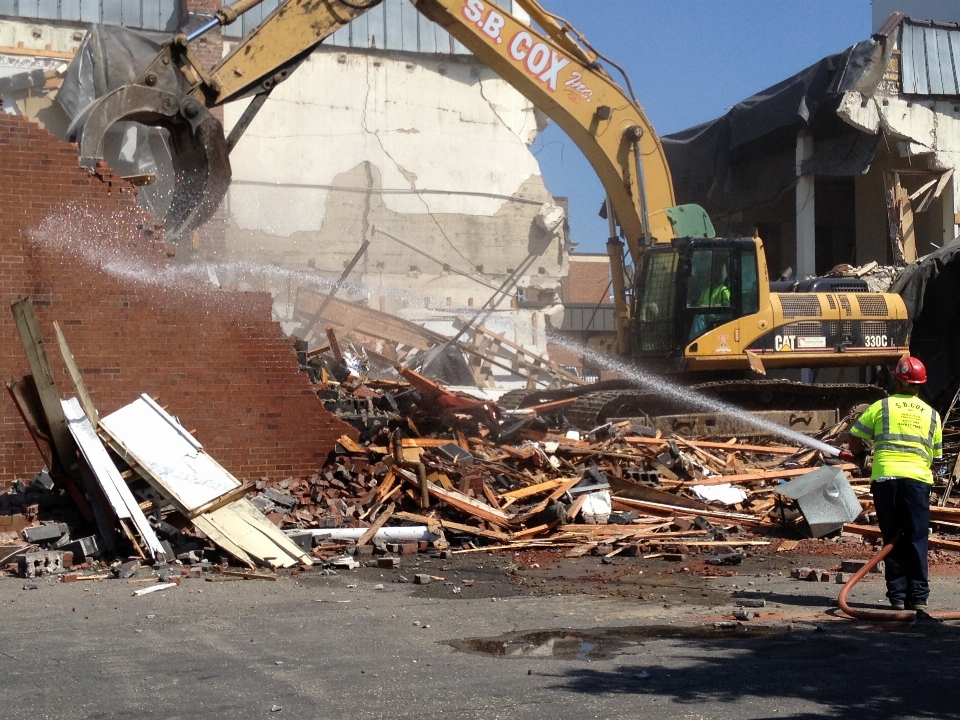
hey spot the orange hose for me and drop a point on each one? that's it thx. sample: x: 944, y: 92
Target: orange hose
x: 900, y: 615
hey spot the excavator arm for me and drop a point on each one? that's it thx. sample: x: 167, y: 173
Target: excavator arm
x: 556, y: 71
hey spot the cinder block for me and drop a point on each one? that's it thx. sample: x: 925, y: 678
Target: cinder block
x: 38, y: 564
x: 83, y: 548
x: 388, y: 563
x: 44, y: 533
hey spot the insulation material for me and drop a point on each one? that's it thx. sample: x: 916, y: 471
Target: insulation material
x: 725, y: 494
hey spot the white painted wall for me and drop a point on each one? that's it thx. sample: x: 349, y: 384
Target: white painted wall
x: 434, y: 149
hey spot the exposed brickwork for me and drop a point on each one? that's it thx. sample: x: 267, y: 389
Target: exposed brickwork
x: 587, y: 281
x: 78, y: 246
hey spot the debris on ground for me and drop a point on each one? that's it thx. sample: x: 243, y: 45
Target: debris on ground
x: 430, y: 469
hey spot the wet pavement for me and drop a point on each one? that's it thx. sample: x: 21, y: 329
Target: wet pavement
x: 480, y: 643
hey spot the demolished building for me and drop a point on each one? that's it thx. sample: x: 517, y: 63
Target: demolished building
x: 389, y: 132
x: 74, y: 241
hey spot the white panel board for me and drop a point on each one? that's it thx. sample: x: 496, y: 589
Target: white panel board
x: 169, y: 453
x: 108, y: 477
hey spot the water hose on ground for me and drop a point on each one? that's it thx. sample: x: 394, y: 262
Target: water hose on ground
x: 895, y: 615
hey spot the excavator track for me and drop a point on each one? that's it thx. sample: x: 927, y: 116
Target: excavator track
x: 596, y: 405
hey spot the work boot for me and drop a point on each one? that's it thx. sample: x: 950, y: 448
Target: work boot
x: 921, y: 605
x: 896, y: 605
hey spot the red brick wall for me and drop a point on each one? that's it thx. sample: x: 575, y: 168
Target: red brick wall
x: 587, y: 282
x: 77, y: 245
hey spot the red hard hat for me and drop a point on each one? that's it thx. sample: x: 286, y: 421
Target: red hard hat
x: 910, y: 370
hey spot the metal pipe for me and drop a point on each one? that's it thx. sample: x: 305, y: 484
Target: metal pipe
x: 203, y: 29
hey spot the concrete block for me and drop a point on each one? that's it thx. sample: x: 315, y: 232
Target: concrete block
x: 38, y: 564
x: 388, y: 563
x: 127, y: 569
x: 304, y: 541
x: 363, y: 551
x: 422, y: 579
x: 83, y: 549
x: 279, y: 498
x: 44, y: 533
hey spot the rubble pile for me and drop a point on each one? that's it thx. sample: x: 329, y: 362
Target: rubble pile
x: 432, y: 469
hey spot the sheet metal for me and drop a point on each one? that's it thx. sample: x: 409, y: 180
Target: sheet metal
x: 391, y: 25
x: 163, y: 15
x: 930, y: 58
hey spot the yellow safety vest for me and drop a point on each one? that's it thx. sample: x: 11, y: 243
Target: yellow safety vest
x: 907, y: 437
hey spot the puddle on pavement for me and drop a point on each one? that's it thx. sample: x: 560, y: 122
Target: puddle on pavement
x: 599, y: 643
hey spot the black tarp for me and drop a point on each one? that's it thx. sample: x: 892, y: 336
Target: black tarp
x: 747, y: 157
x: 930, y: 289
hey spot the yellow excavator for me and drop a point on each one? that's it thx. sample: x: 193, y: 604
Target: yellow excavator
x: 697, y: 304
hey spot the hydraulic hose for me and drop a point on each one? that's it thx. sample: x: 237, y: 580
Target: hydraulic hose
x: 895, y: 615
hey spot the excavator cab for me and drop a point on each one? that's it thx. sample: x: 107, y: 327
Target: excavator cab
x: 687, y: 288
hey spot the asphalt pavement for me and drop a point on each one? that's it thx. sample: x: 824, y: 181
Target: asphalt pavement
x: 476, y: 644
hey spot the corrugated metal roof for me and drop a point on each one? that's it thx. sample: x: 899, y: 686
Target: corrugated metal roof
x: 929, y: 58
x: 391, y: 25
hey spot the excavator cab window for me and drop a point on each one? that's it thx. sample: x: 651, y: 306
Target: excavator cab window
x: 655, y: 302
x: 719, y: 285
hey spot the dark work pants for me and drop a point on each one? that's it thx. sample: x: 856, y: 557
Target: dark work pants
x: 904, y: 505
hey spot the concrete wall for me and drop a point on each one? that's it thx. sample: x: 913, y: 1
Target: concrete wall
x: 75, y: 243
x: 432, y: 149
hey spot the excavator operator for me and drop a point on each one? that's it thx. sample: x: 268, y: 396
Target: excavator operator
x: 715, y: 294
x: 907, y: 438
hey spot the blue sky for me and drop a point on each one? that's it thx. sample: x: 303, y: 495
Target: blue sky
x: 689, y: 61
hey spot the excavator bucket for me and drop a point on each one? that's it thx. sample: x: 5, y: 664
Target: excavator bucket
x: 198, y: 150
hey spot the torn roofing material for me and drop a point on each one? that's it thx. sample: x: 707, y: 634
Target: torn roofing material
x: 747, y: 157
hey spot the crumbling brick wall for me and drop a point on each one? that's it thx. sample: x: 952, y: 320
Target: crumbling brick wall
x: 75, y: 242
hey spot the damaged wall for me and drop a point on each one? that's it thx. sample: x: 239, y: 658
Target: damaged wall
x: 433, y: 149
x: 75, y: 243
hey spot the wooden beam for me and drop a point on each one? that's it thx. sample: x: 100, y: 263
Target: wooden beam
x: 377, y: 524
x: 64, y: 446
x: 875, y: 534
x: 225, y: 499
x: 765, y: 475
x: 89, y: 409
x: 770, y: 449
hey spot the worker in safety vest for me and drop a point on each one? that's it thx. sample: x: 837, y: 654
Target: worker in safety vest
x: 907, y: 438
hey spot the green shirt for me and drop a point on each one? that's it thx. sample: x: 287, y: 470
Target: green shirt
x: 907, y: 437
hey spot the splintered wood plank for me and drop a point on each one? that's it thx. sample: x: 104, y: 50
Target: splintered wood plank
x: 529, y: 532
x: 86, y: 402
x: 523, y: 492
x: 766, y: 475
x: 771, y: 449
x: 377, y: 524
